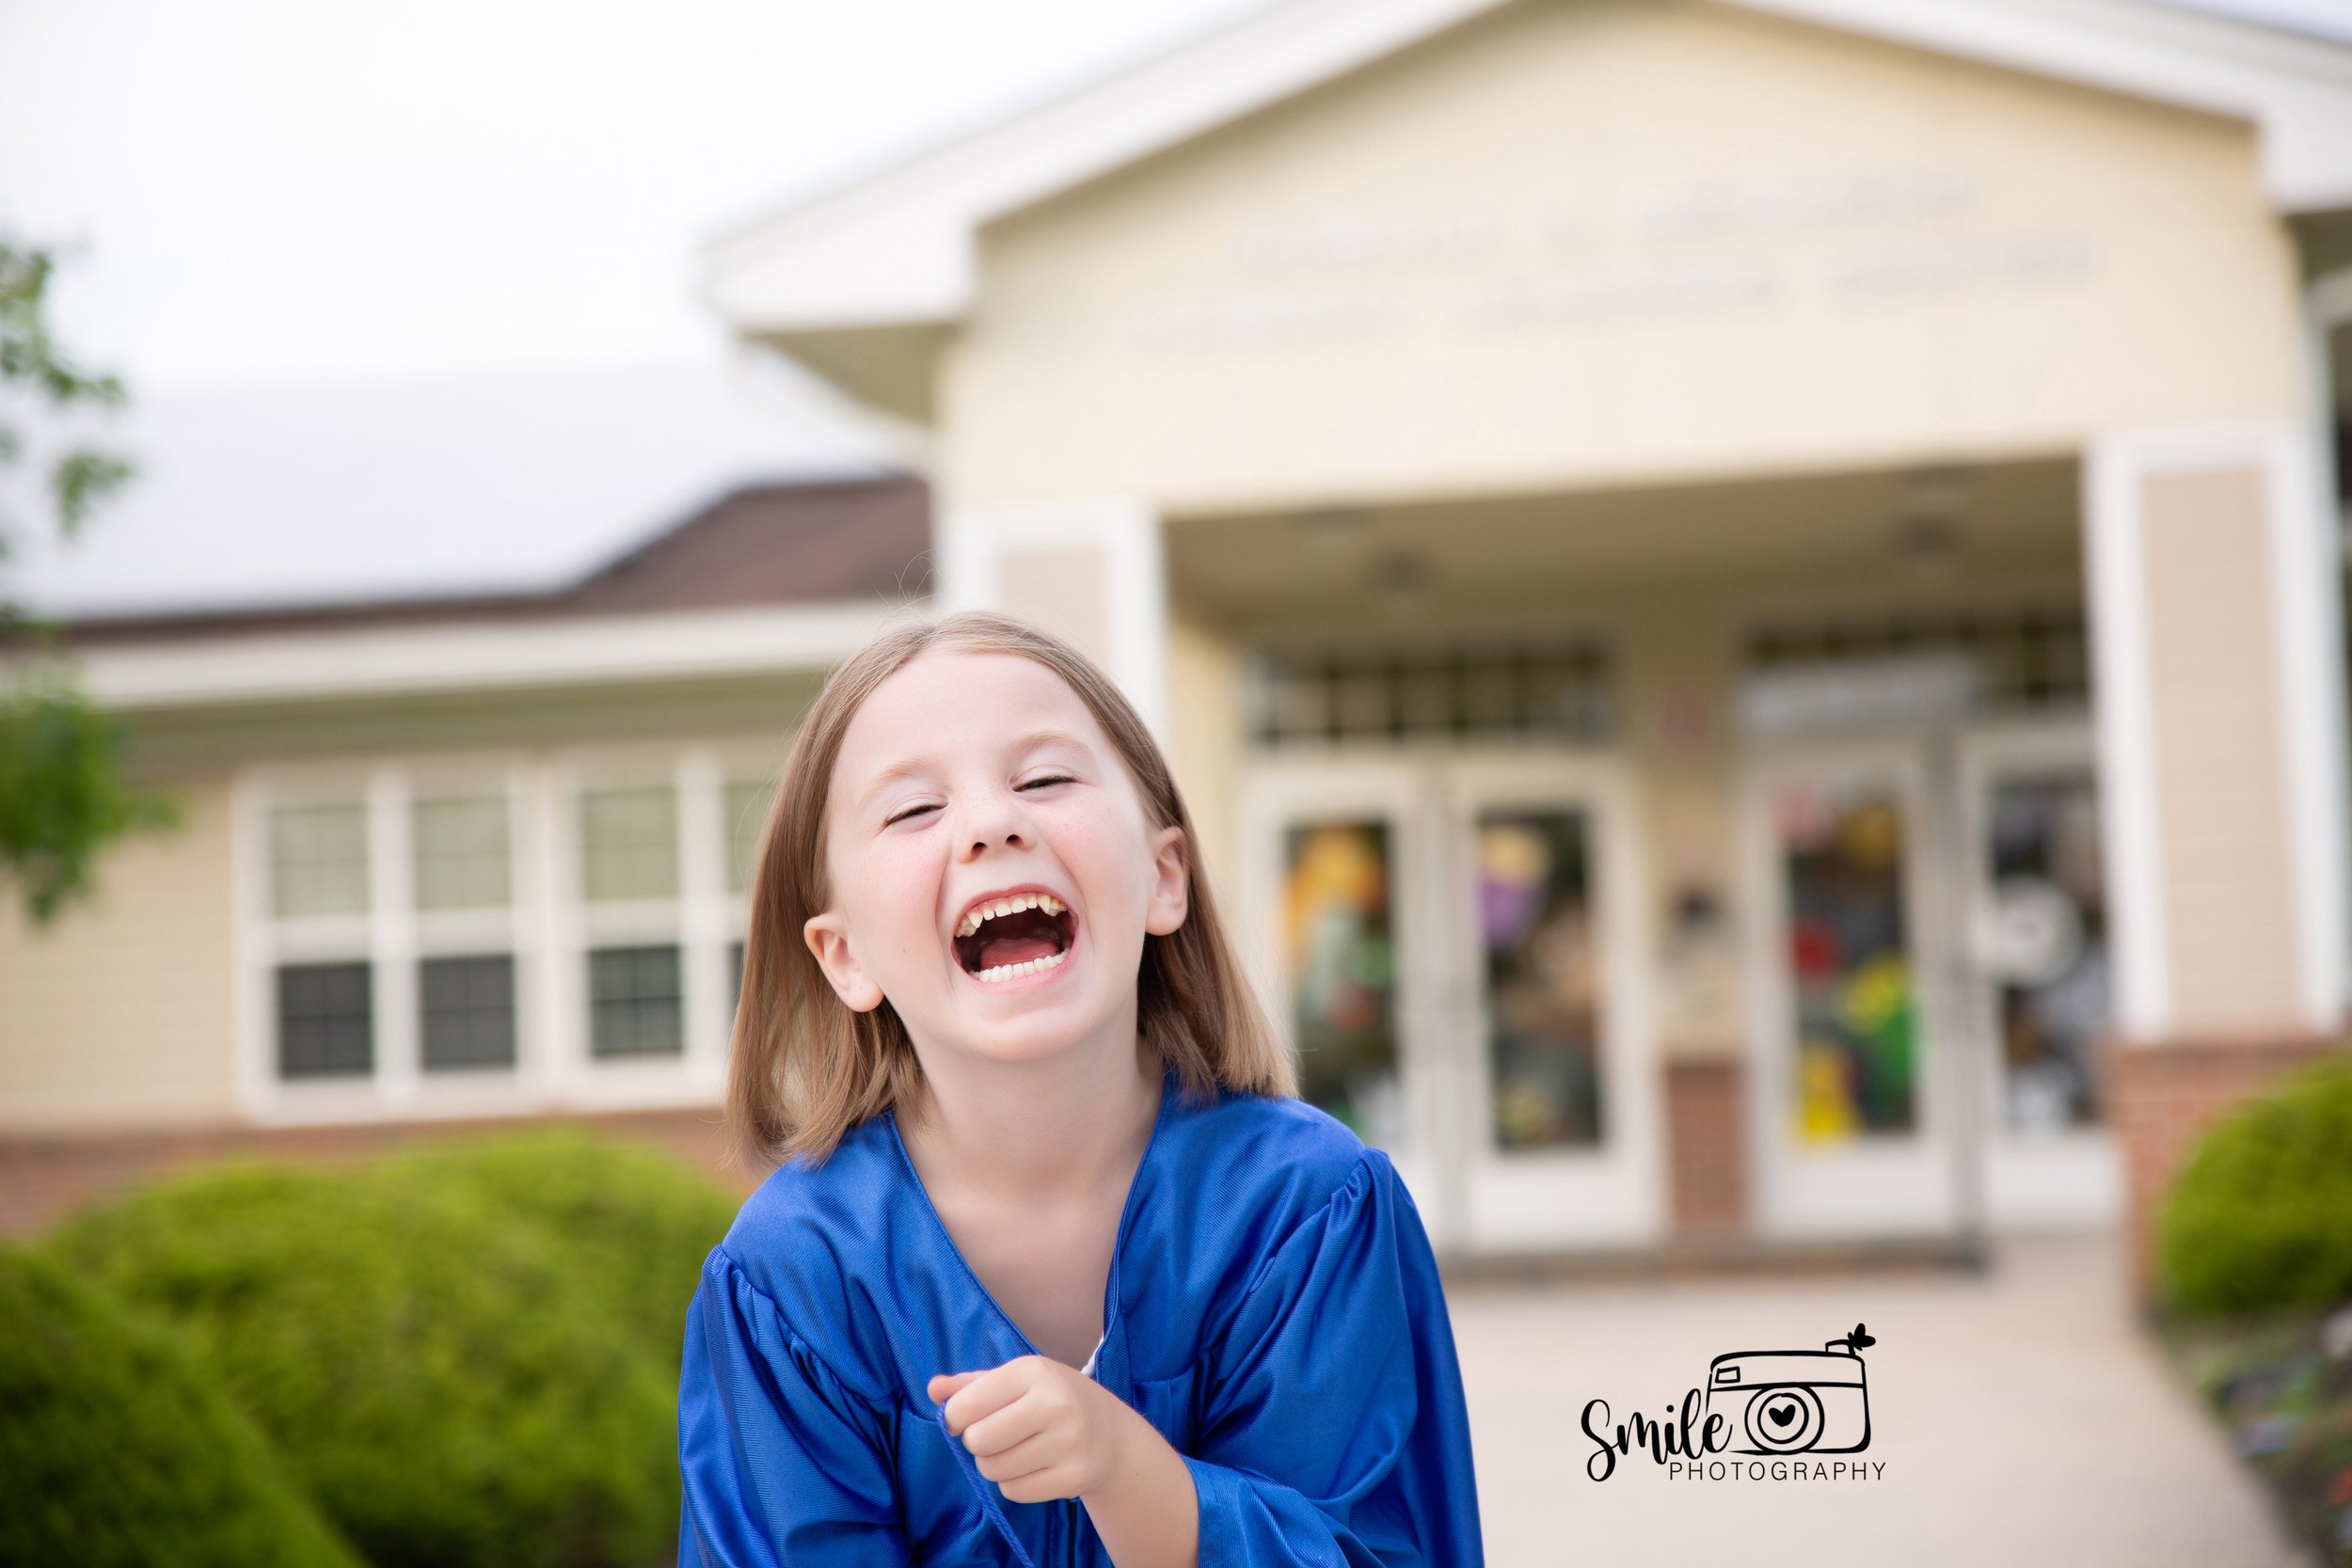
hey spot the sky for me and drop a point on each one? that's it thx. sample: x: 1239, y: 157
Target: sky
x: 405, y: 293
x: 290, y: 189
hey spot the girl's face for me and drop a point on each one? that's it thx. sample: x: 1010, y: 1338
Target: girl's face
x: 965, y: 782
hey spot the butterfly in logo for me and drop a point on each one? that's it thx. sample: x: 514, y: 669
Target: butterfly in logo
x: 1859, y: 1340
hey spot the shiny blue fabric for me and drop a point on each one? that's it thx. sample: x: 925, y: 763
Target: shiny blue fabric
x: 1273, y: 1310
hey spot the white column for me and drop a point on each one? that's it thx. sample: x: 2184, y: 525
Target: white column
x: 1088, y: 569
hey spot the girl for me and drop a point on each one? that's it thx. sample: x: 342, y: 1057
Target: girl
x: 1056, y: 1269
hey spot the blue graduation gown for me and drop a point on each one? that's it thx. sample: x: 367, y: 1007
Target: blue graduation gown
x: 1273, y: 1310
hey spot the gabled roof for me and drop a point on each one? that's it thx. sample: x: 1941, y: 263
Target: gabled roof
x: 889, y: 258
x: 769, y: 579
x: 809, y: 543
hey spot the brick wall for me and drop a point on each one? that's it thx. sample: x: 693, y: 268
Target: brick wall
x: 2165, y: 1094
x: 1707, y: 1148
x: 43, y: 1177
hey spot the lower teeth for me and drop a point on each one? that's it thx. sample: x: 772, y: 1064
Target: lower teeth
x: 1014, y: 971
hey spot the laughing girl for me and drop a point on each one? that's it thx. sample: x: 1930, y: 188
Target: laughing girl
x: 1055, y: 1268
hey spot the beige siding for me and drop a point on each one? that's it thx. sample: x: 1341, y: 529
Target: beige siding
x: 119, y: 1014
x: 1065, y: 591
x: 1571, y: 243
x: 2219, y: 750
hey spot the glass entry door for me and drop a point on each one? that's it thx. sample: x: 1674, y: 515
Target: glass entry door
x: 2042, y: 996
x: 1448, y: 941
x: 1931, y: 922
x: 1849, y: 1115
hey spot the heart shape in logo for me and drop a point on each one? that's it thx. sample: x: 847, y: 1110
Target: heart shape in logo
x: 1782, y: 1414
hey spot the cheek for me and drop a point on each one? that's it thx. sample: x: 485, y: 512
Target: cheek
x: 896, y: 897
x: 1110, y: 863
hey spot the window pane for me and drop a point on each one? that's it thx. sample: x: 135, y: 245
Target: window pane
x: 629, y: 842
x: 2050, y: 950
x: 461, y: 852
x: 747, y: 804
x: 318, y: 859
x: 468, y: 1011
x: 1841, y: 851
x: 324, y: 1020
x: 1341, y: 968
x: 1535, y: 916
x: 634, y: 1002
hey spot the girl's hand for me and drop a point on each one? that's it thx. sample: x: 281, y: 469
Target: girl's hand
x: 1039, y: 1429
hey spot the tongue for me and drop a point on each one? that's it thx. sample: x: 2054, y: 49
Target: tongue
x: 1016, y: 949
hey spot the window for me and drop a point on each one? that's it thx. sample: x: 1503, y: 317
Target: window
x: 480, y: 935
x: 323, y: 1008
x: 326, y: 1021
x: 629, y: 842
x: 635, y: 1003
x: 468, y: 1011
x: 2024, y: 660
x: 1540, y: 690
x: 461, y: 851
x: 318, y: 859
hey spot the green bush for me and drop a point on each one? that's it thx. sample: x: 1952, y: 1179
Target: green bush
x: 2261, y: 1214
x: 116, y: 1449
x: 633, y: 1222
x: 419, y: 1355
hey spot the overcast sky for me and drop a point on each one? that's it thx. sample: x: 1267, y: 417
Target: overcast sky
x: 404, y: 294
x: 288, y: 189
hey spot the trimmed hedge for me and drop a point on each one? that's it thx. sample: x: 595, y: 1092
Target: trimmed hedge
x: 115, y: 1450
x: 421, y: 1358
x: 634, y: 1224
x: 2261, y: 1214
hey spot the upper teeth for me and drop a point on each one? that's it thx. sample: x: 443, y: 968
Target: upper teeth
x: 978, y: 913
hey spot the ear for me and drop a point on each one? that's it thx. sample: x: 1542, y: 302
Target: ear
x: 828, y: 937
x: 1172, y: 900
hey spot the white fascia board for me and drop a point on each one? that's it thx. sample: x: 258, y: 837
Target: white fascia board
x: 2297, y: 90
x: 897, y: 246
x: 297, y: 666
x: 836, y: 259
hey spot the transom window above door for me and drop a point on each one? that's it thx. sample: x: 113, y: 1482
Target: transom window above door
x: 1548, y: 690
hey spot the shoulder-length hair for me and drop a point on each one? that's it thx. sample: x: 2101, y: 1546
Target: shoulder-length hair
x: 805, y: 1068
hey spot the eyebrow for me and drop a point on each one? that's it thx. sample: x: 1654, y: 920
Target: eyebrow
x: 898, y: 771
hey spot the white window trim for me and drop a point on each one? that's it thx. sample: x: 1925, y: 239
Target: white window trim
x: 547, y: 926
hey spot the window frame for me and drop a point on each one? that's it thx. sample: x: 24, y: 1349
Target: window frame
x: 547, y: 927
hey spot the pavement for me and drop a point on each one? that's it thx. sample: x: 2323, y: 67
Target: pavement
x: 2019, y: 1416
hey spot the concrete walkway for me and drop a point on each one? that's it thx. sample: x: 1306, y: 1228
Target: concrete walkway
x: 2021, y: 1418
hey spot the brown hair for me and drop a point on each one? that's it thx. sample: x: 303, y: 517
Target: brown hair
x: 805, y: 1068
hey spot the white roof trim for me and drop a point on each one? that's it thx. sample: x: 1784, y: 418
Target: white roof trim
x: 407, y: 660
x: 896, y: 246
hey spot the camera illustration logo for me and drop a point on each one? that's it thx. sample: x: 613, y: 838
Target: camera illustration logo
x: 1792, y: 1402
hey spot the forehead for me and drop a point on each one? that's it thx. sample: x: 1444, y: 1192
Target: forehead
x: 943, y: 703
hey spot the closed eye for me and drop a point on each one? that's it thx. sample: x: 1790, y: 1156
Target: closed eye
x: 917, y: 811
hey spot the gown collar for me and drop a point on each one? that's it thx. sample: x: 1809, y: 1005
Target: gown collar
x: 1112, y: 1300
x: 1098, y: 1365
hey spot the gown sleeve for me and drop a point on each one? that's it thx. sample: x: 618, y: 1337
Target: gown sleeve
x: 1334, y: 1429
x: 784, y: 1464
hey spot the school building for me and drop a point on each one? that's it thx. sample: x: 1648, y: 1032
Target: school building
x: 1748, y: 597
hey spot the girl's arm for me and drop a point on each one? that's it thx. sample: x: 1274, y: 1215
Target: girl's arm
x: 1146, y: 1510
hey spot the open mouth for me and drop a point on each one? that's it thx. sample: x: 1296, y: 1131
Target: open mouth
x: 1021, y: 934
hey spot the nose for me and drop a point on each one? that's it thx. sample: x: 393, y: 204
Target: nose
x: 996, y: 817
